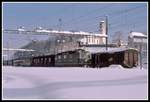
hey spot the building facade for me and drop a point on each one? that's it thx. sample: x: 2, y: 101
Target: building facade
x: 139, y: 41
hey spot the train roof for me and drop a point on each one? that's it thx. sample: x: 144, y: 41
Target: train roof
x: 94, y: 50
x: 110, y: 50
x: 71, y: 51
x: 99, y: 50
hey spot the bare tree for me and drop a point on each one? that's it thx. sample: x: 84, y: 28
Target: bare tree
x: 117, y: 38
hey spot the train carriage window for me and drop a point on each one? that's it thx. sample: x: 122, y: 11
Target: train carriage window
x: 65, y: 56
x: 45, y: 59
x: 49, y: 59
x: 35, y: 61
x: 70, y: 56
x: 55, y: 58
x: 38, y: 60
x: 41, y: 60
x: 59, y: 56
x: 110, y: 59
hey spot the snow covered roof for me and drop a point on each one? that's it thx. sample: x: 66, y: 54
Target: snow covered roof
x: 100, y: 49
x: 12, y: 49
x: 39, y: 31
x: 132, y: 34
x: 103, y: 49
x: 102, y: 21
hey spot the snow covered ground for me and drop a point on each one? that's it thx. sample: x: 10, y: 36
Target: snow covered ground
x: 113, y: 82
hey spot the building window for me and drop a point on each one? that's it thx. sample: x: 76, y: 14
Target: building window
x: 97, y: 41
x: 86, y: 40
x: 89, y: 40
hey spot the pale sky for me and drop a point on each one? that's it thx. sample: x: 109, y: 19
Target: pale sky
x: 122, y: 17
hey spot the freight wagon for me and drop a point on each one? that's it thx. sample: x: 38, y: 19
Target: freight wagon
x: 127, y: 58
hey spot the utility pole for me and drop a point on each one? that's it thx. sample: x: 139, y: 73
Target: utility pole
x: 60, y: 24
x: 106, y: 25
x: 62, y: 37
x: 8, y: 50
x: 141, y: 55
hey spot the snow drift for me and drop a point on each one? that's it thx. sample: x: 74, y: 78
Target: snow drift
x: 74, y: 83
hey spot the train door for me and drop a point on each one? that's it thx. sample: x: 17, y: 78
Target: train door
x: 104, y: 60
x: 126, y: 59
x: 131, y: 59
x: 93, y: 60
x: 111, y: 59
x: 99, y: 60
x: 120, y: 57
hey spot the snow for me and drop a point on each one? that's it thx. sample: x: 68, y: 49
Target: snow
x: 114, y: 82
x: 132, y: 34
x: 12, y: 49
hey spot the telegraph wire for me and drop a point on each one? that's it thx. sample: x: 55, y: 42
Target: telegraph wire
x: 84, y: 15
x: 112, y: 13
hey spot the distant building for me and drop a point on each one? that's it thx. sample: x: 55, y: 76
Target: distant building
x: 63, y: 43
x: 120, y: 43
x: 92, y: 40
x: 96, y: 40
x: 139, y: 41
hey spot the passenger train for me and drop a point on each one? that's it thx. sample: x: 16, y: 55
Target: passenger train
x: 128, y: 58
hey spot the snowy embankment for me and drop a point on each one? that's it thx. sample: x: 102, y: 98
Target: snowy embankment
x: 74, y: 83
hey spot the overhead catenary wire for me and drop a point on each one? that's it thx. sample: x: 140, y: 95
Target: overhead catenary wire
x: 84, y: 15
x: 127, y: 23
x: 125, y: 11
x: 112, y: 14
